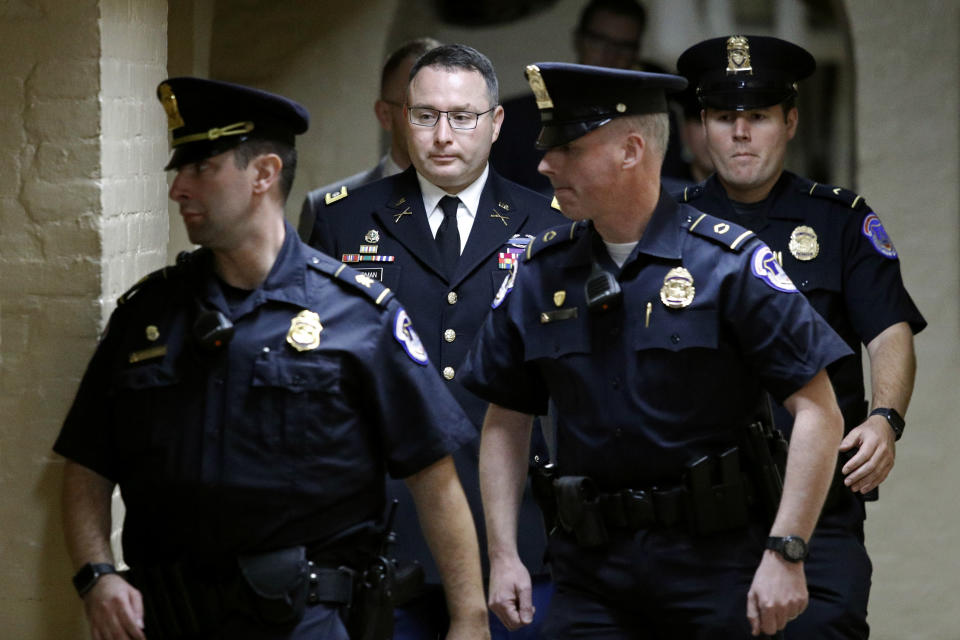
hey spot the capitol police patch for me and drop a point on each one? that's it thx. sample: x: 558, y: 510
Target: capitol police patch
x: 408, y: 338
x: 506, y: 286
x: 765, y: 266
x: 873, y: 229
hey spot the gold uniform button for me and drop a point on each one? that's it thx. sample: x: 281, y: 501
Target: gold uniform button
x: 448, y: 373
x: 449, y: 335
x: 452, y: 297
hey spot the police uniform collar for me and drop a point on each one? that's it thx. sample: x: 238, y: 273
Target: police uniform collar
x: 662, y: 236
x: 769, y: 210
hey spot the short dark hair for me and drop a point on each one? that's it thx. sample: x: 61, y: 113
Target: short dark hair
x: 628, y: 8
x: 410, y: 49
x: 460, y: 56
x: 788, y: 104
x: 250, y: 149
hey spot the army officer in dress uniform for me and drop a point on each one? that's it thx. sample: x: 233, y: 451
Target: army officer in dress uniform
x: 655, y: 329
x: 834, y: 247
x: 248, y: 402
x: 443, y: 235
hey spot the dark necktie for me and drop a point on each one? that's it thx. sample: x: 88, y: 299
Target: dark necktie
x: 448, y: 235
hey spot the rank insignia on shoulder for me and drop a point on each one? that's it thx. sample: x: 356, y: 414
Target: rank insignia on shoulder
x: 873, y: 229
x: 803, y: 244
x: 304, y: 333
x: 678, y: 290
x: 408, y: 338
x: 765, y: 266
x: 333, y: 196
x: 364, y: 280
x: 731, y: 236
x: 506, y: 286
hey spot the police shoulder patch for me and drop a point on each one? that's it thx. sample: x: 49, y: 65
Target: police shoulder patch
x: 837, y: 194
x: 873, y: 230
x: 729, y: 234
x: 408, y: 338
x: 764, y: 265
x: 553, y: 237
x: 371, y: 289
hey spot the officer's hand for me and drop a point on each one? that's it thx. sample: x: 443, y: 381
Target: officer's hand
x: 777, y: 596
x: 114, y: 609
x: 874, y: 459
x: 511, y: 592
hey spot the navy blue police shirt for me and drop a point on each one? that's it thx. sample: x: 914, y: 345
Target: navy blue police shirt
x: 280, y: 437
x: 836, y: 251
x: 707, y: 321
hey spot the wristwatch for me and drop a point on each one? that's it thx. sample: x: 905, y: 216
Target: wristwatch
x: 792, y: 548
x: 89, y: 574
x: 896, y: 422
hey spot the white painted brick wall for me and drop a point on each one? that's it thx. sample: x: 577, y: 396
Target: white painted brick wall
x: 82, y: 216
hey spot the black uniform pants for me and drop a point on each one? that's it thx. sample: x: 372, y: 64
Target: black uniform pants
x: 655, y: 584
x: 838, y: 577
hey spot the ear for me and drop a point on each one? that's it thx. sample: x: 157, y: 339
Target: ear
x: 267, y: 168
x: 634, y: 148
x: 793, y: 119
x: 497, y: 117
x: 382, y: 110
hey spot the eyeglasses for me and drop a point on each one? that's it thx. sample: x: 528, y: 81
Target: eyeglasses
x: 427, y: 117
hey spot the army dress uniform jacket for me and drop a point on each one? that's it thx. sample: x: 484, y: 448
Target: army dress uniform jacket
x: 386, y: 220
x: 278, y: 438
x: 316, y: 197
x: 836, y: 251
x: 706, y: 321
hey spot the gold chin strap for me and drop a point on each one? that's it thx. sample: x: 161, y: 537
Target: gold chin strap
x: 235, y: 129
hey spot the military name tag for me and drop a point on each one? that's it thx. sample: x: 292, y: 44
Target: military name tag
x: 678, y: 290
x: 557, y: 314
x: 305, y: 329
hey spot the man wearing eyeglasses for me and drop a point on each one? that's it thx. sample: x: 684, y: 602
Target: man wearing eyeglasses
x: 389, y: 111
x: 443, y: 235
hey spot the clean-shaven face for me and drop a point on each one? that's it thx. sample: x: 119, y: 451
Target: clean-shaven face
x: 451, y: 158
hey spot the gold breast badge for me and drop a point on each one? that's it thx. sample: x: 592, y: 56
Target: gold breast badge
x: 678, y: 290
x: 305, y: 329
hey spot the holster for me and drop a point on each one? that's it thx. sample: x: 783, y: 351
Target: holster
x: 765, y: 459
x: 370, y: 615
x: 579, y: 511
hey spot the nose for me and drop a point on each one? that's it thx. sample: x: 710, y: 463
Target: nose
x: 546, y: 164
x: 741, y: 128
x: 442, y: 131
x: 178, y: 191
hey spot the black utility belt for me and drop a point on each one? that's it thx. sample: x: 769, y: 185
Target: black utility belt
x: 185, y: 600
x: 717, y: 493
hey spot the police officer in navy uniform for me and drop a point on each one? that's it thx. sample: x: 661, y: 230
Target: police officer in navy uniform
x: 445, y: 273
x: 655, y: 330
x: 834, y: 247
x: 248, y: 402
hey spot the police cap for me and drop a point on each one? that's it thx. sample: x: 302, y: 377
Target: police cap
x: 745, y: 72
x: 575, y: 99
x: 208, y: 117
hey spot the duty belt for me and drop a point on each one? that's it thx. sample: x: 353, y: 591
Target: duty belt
x: 718, y: 493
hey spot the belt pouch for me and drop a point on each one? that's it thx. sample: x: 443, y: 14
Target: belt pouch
x: 277, y: 583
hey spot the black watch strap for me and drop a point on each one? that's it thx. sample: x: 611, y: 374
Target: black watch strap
x: 792, y: 548
x: 87, y: 577
x: 894, y: 419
